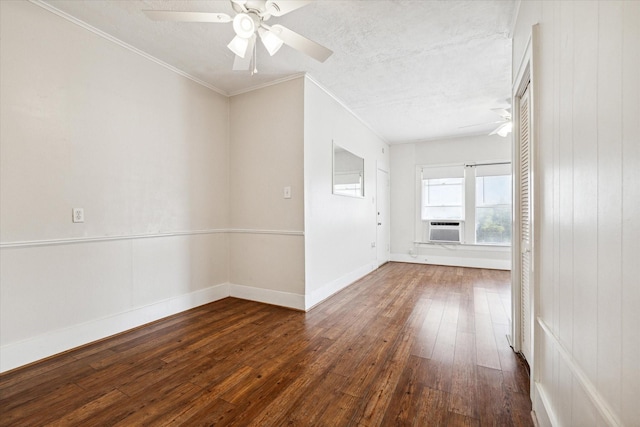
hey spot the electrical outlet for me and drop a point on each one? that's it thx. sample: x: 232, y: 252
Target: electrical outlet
x: 78, y: 215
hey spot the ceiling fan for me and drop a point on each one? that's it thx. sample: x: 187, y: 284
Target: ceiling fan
x: 505, y: 124
x: 248, y: 24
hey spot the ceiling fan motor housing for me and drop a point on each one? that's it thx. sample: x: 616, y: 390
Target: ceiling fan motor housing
x: 245, y: 24
x: 259, y: 7
x: 248, y: 24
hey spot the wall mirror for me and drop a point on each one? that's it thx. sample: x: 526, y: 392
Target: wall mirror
x: 348, y: 173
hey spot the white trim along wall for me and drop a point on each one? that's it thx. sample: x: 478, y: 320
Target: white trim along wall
x: 174, y: 214
x: 586, y: 316
x: 407, y: 161
x: 80, y: 117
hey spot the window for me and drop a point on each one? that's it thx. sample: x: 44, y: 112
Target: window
x: 443, y: 198
x: 442, y: 193
x: 493, y: 209
x: 486, y: 188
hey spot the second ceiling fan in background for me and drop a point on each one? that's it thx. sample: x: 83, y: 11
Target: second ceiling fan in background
x: 249, y: 24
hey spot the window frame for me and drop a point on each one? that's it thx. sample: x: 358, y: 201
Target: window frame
x: 468, y: 173
x: 494, y: 206
x: 424, y: 206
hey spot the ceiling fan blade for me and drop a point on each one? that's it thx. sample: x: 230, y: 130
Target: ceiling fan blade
x: 482, y: 124
x: 165, y: 15
x: 301, y: 43
x: 243, y: 64
x: 505, y: 113
x: 239, y: 6
x: 282, y: 7
x: 503, y: 130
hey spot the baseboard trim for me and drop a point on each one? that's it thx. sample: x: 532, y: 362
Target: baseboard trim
x: 267, y: 296
x: 599, y: 403
x: 328, y: 289
x: 22, y: 353
x: 492, y: 264
x: 543, y: 413
x: 33, y: 349
x: 534, y: 419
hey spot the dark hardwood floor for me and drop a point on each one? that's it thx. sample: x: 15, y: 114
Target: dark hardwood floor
x: 407, y: 345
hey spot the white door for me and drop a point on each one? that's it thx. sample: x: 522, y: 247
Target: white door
x: 382, y: 206
x: 526, y: 226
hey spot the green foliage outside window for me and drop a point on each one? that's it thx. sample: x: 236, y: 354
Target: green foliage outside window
x: 493, y: 225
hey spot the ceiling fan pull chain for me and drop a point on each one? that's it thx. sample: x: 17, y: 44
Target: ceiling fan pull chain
x: 248, y: 24
x: 255, y: 60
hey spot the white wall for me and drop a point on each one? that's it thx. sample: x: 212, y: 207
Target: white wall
x: 266, y: 155
x: 87, y: 123
x: 404, y: 160
x: 588, y: 104
x: 182, y: 190
x: 339, y: 230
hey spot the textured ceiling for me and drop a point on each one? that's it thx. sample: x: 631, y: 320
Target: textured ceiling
x: 412, y: 70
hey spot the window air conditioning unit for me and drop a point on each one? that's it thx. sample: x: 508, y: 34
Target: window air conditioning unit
x: 445, y: 231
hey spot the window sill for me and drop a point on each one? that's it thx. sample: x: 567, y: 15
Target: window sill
x: 471, y: 246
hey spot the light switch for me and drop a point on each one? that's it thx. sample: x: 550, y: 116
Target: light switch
x: 287, y: 192
x: 78, y: 215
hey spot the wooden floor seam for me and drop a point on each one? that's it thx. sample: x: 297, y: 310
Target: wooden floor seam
x: 408, y: 344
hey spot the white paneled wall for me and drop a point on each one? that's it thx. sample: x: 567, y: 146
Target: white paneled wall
x: 588, y: 115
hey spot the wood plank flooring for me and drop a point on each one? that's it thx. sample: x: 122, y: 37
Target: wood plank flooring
x: 407, y: 345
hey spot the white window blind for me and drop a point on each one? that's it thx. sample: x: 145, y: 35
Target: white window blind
x: 497, y: 169
x: 442, y: 192
x: 434, y: 172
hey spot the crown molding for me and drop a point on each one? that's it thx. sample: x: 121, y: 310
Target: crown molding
x: 127, y: 46
x: 267, y: 84
x: 349, y: 110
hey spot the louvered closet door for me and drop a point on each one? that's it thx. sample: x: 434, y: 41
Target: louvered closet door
x: 525, y: 224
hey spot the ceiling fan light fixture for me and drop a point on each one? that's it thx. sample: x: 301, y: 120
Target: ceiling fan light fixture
x: 505, y: 129
x: 239, y: 46
x: 270, y: 41
x: 248, y: 24
x: 243, y: 25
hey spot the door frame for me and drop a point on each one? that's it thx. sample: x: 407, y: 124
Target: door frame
x: 387, y: 202
x: 525, y: 76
